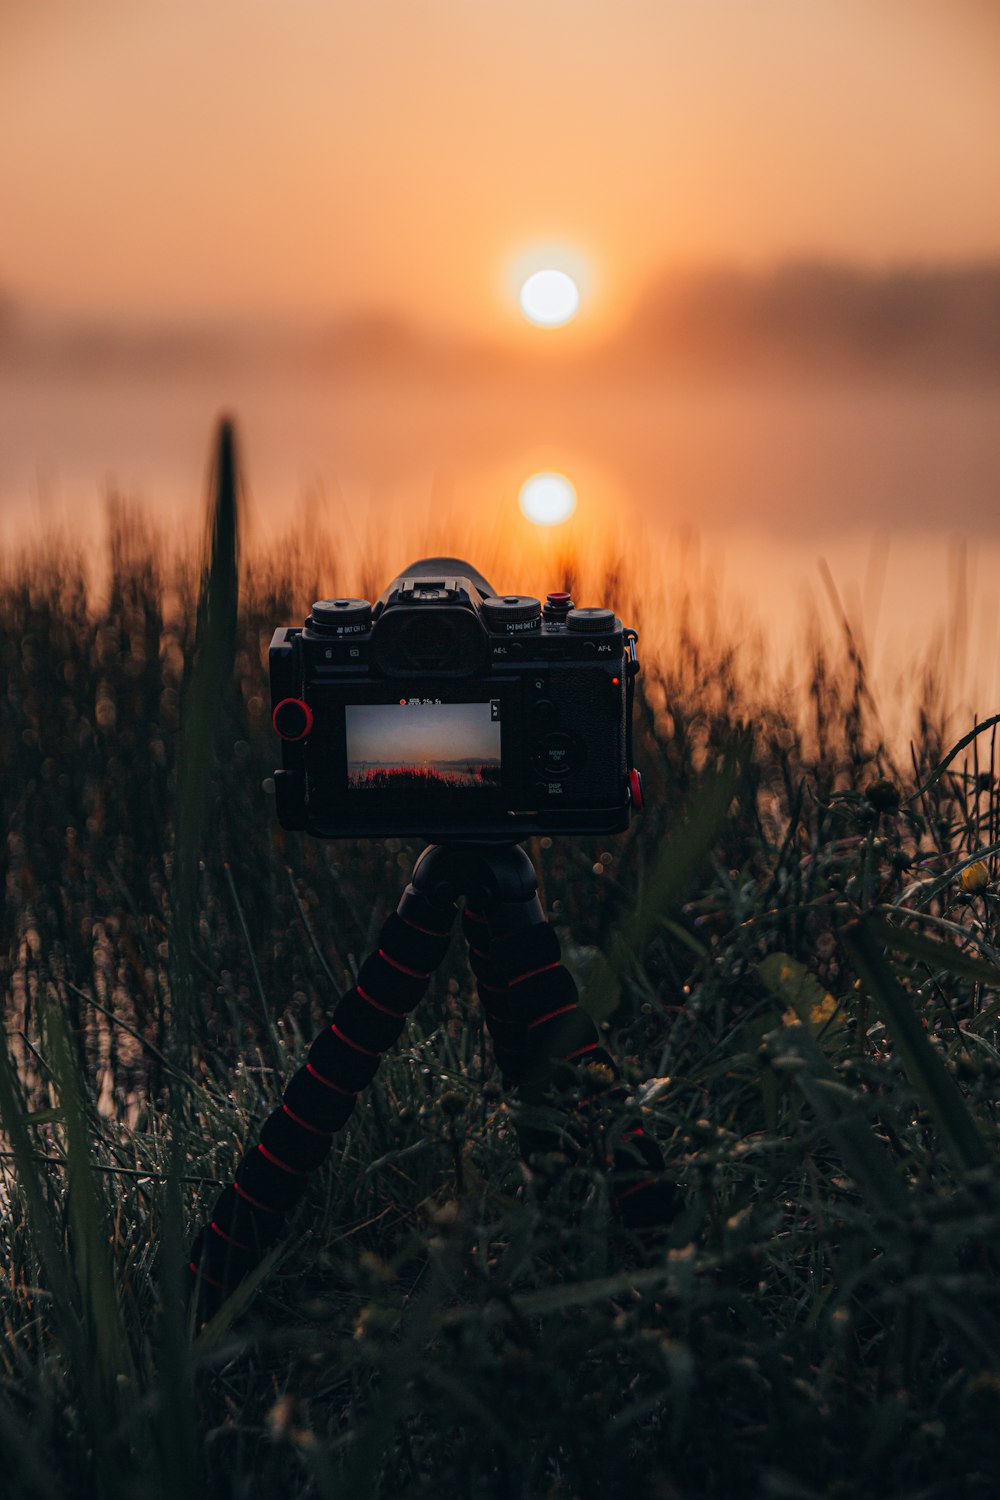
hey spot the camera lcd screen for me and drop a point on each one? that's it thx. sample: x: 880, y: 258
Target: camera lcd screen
x: 418, y: 751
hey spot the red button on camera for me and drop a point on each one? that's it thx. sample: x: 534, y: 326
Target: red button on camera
x: 635, y: 790
x: 292, y: 719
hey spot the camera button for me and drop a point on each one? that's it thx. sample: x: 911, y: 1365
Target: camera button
x: 292, y: 718
x: 557, y: 754
x: 588, y: 648
x: 543, y: 713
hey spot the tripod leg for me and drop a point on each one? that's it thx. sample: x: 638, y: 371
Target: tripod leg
x: 297, y: 1137
x: 514, y: 1018
x: 530, y: 1002
x: 532, y: 1010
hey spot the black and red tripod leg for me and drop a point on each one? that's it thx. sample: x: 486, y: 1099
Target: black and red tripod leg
x: 542, y: 1036
x: 531, y: 1007
x: 297, y: 1137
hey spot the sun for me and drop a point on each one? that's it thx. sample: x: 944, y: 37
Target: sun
x: 548, y: 498
x: 550, y: 298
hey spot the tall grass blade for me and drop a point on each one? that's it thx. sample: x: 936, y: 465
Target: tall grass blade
x: 924, y: 1068
x: 238, y: 1301
x: 675, y: 868
x: 174, y: 1075
x: 82, y: 1285
x: 110, y: 1355
x: 865, y: 1160
x: 273, y: 1044
x: 942, y: 957
x: 956, y: 749
x: 210, y: 673
x: 925, y: 892
x: 46, y: 1239
x: 834, y: 1106
x: 175, y: 1419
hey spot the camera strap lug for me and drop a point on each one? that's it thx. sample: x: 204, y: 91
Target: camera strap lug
x: 632, y: 670
x: 631, y: 656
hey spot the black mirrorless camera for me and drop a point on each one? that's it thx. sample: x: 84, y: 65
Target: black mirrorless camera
x: 454, y: 713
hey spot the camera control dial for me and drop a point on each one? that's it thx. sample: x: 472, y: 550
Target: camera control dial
x: 596, y: 620
x: 512, y: 612
x: 342, y: 616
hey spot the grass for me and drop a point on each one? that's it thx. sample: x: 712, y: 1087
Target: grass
x: 792, y: 954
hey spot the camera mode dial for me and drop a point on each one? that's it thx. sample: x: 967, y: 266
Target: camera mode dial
x: 512, y: 612
x: 341, y: 616
x: 590, y: 620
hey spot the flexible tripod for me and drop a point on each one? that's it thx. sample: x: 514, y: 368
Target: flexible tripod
x: 529, y: 1001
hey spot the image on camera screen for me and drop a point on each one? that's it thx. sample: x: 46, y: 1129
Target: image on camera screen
x: 418, y: 750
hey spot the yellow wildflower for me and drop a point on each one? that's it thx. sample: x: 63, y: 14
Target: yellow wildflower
x: 821, y: 1013
x: 975, y: 878
x: 985, y: 1381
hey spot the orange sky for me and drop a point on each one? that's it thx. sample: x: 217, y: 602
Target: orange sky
x: 233, y: 157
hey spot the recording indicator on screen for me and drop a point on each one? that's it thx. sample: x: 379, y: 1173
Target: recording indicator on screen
x: 422, y: 747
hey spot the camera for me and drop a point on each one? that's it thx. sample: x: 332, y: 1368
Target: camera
x: 452, y: 712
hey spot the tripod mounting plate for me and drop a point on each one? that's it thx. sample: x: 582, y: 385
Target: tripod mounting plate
x: 494, y: 873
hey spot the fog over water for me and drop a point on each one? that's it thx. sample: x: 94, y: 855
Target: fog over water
x: 744, y: 487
